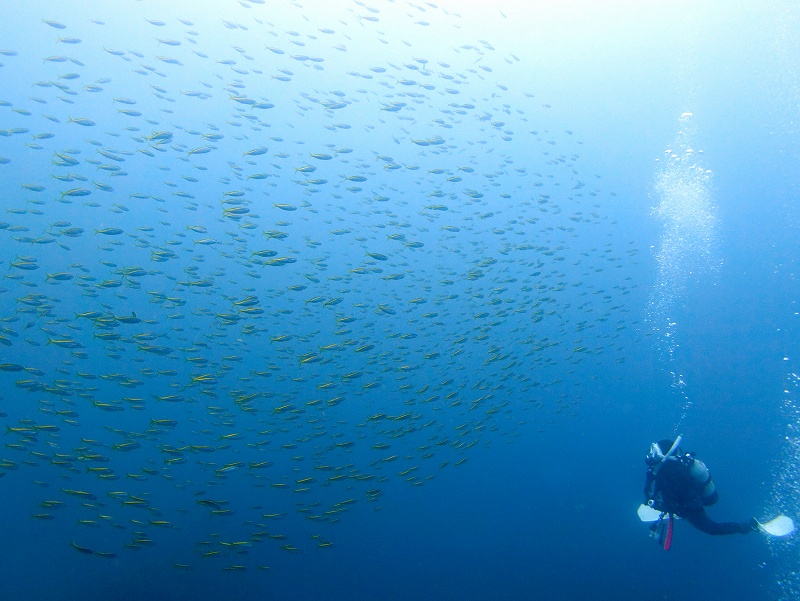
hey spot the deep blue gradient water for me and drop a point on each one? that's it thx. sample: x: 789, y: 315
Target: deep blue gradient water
x: 387, y: 300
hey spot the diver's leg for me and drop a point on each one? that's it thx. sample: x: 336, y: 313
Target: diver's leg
x: 702, y: 522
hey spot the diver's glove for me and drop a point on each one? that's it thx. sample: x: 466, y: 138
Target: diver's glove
x: 750, y: 525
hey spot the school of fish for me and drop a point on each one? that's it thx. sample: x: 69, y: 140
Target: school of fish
x: 251, y: 279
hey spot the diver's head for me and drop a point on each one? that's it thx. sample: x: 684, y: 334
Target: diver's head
x: 660, y: 450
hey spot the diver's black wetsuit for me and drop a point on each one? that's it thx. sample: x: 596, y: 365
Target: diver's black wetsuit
x: 700, y: 520
x: 675, y: 491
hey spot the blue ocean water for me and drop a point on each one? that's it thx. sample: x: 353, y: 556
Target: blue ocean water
x: 357, y: 300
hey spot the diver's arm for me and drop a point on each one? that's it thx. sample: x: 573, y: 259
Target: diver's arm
x: 649, y: 489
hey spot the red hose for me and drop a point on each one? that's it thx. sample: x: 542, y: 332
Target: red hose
x: 668, y: 540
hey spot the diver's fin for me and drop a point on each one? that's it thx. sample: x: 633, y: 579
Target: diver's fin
x: 779, y: 526
x: 648, y: 514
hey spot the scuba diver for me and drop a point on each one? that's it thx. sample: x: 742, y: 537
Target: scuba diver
x: 678, y: 485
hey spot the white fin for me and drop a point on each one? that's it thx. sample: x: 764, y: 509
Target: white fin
x: 648, y: 514
x: 780, y: 526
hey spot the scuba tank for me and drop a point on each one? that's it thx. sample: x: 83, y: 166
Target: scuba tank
x: 700, y: 474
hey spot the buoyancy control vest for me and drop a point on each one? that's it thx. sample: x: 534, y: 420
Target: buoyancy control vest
x: 681, y: 484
